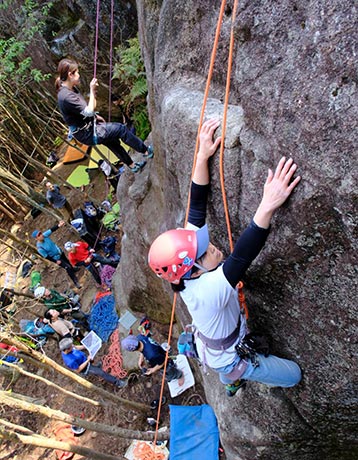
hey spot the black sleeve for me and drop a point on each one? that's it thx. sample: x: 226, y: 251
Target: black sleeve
x: 198, y: 202
x: 245, y: 251
x: 54, y: 228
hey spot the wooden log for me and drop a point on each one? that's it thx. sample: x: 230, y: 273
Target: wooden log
x: 10, y: 215
x: 23, y: 429
x: 40, y: 441
x: 9, y: 400
x: 52, y: 384
x: 7, y: 338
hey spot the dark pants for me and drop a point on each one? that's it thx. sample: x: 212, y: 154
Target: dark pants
x: 172, y: 372
x: 94, y: 272
x: 105, y: 260
x: 69, y: 209
x: 97, y: 370
x: 110, y: 135
x: 81, y: 317
x: 68, y: 267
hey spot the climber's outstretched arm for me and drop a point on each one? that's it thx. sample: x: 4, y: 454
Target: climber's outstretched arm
x: 207, y: 149
x: 278, y: 187
x: 200, y: 184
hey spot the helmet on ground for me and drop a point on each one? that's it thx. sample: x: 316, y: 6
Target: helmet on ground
x: 39, y: 292
x: 130, y: 343
x: 173, y: 254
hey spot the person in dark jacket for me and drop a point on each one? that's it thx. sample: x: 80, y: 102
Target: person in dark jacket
x: 58, y: 201
x: 154, y: 354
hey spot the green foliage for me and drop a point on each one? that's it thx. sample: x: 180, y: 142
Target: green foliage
x: 141, y: 121
x: 130, y: 73
x: 58, y: 141
x: 15, y: 66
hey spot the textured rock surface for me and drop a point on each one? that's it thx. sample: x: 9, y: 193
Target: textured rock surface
x: 294, y: 92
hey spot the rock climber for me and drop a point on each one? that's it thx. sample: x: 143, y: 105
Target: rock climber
x: 207, y: 283
x: 49, y: 250
x: 76, y: 360
x: 86, y: 125
x: 154, y: 354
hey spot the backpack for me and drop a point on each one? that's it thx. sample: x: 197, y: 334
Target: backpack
x: 186, y: 343
x: 90, y: 209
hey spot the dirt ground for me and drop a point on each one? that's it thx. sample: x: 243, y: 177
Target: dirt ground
x: 141, y: 389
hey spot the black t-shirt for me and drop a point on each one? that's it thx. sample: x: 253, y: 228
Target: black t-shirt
x: 152, y: 351
x: 72, y: 105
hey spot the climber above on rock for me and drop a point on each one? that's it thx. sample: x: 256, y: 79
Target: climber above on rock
x: 88, y: 127
x: 207, y: 284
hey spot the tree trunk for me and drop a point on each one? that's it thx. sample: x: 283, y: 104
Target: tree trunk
x: 9, y: 400
x: 7, y: 338
x: 8, y: 213
x: 51, y: 384
x: 21, y: 294
x: 22, y: 243
x: 30, y: 201
x: 41, y: 441
x: 20, y: 205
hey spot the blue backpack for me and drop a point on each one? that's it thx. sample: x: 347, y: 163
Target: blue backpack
x: 186, y: 343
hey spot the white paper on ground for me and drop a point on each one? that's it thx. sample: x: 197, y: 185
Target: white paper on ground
x: 183, y: 364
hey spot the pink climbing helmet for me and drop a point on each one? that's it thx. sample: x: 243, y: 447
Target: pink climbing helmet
x: 173, y: 253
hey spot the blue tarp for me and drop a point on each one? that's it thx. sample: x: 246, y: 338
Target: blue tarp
x: 194, y: 433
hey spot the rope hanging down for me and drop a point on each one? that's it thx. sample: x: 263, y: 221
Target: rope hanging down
x: 96, y: 41
x: 206, y: 93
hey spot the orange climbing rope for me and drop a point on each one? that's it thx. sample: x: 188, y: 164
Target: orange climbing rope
x: 240, y: 285
x: 226, y: 105
x: 113, y: 360
x: 143, y: 451
x: 206, y: 94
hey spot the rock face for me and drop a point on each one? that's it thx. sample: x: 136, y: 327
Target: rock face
x: 293, y: 92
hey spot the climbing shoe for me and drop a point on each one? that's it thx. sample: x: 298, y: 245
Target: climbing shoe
x: 232, y: 388
x: 149, y: 153
x: 138, y: 166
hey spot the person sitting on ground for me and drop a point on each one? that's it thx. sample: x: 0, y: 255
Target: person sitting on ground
x: 79, y: 254
x: 63, y: 327
x: 88, y: 127
x: 58, y: 201
x: 49, y: 250
x: 207, y: 285
x: 76, y: 360
x: 56, y: 301
x: 154, y: 354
